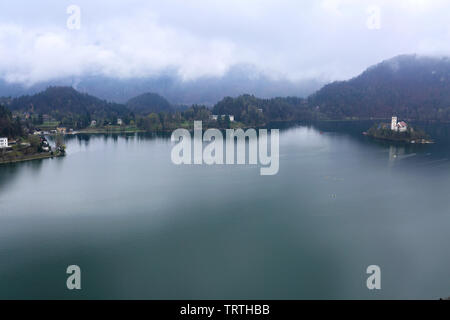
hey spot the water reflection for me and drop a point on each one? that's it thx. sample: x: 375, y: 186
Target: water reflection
x: 435, y: 155
x: 395, y: 151
x: 9, y: 172
x: 145, y: 228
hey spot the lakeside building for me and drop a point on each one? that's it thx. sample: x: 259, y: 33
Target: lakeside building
x: 61, y: 130
x: 215, y: 117
x: 45, y: 145
x: 119, y: 122
x: 3, y: 143
x: 93, y: 123
x: 398, y: 126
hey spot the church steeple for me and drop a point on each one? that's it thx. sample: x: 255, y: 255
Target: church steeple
x: 394, y: 124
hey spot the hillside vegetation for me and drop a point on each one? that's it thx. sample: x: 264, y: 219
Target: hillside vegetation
x: 410, y: 87
x: 9, y: 127
x: 149, y: 102
x: 69, y: 107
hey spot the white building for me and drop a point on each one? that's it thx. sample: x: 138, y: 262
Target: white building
x: 3, y: 143
x: 215, y: 117
x: 398, y: 126
x: 231, y: 117
x: 394, y: 124
x: 93, y: 123
x: 119, y: 122
x: 402, y: 126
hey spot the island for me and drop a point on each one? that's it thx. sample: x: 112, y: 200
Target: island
x: 398, y: 132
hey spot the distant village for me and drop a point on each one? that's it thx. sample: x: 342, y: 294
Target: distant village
x: 35, y: 145
x: 215, y: 117
x: 43, y: 144
x: 49, y: 127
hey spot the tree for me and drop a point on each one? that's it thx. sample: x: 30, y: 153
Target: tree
x: 8, y: 126
x: 227, y: 122
x: 219, y: 121
x: 152, y: 122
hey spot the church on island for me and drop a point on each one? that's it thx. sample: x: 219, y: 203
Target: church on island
x: 398, y: 131
x: 398, y: 126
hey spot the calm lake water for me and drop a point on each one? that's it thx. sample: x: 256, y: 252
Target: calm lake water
x: 141, y: 227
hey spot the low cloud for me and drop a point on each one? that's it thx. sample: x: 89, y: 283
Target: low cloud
x: 326, y: 39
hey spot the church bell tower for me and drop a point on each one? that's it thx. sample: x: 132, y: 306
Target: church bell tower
x: 394, y: 124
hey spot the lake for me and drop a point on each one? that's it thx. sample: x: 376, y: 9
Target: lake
x: 141, y: 227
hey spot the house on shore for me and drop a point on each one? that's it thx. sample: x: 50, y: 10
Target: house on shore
x: 215, y: 117
x: 3, y: 143
x: 61, y: 130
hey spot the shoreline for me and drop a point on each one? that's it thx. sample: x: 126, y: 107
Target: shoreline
x: 241, y: 125
x: 409, y: 141
x: 31, y: 158
x: 105, y: 131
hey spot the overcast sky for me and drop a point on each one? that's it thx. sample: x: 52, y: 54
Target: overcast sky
x: 326, y: 39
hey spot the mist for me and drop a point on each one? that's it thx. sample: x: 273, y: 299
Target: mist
x: 284, y: 40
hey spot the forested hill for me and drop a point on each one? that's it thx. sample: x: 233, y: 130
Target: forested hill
x: 410, y: 86
x: 204, y: 90
x: 149, y: 102
x: 69, y: 106
x: 252, y: 110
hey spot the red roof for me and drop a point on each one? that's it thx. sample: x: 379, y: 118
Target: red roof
x: 402, y: 124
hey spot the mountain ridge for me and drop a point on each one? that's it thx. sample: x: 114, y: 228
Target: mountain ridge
x: 67, y: 105
x: 409, y: 86
x: 207, y: 90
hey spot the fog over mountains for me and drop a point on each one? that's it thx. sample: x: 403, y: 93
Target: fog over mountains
x: 238, y: 80
x: 201, y: 51
x: 410, y: 86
